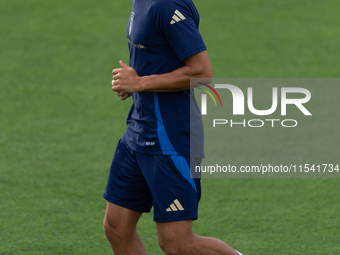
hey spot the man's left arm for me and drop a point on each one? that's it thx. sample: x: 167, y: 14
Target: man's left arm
x: 126, y: 80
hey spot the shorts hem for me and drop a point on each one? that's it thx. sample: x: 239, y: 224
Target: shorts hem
x: 175, y: 218
x: 125, y: 204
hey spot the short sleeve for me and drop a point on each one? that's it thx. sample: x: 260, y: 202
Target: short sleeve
x: 178, y: 22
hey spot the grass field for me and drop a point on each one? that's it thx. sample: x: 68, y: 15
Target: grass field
x: 60, y: 122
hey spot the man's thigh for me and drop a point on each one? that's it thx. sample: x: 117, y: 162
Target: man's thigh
x: 175, y: 235
x: 137, y: 181
x: 175, y: 193
x: 121, y: 218
x: 126, y: 185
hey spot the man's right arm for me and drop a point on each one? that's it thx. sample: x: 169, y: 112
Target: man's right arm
x: 127, y: 80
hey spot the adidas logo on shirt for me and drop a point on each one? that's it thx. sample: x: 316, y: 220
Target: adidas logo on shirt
x: 175, y: 206
x: 177, y: 17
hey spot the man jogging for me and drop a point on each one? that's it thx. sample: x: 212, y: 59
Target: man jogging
x: 151, y: 165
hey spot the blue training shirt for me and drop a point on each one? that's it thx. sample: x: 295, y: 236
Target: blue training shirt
x: 161, y: 34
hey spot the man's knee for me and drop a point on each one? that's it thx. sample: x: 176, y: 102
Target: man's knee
x: 174, y: 247
x: 112, y: 227
x: 120, y: 222
x: 175, y: 238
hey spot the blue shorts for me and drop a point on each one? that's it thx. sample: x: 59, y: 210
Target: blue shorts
x: 139, y: 181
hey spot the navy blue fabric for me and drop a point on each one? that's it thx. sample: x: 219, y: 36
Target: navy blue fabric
x: 139, y: 181
x: 156, y: 46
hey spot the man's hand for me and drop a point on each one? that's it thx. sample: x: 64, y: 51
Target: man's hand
x: 125, y: 81
x: 123, y: 95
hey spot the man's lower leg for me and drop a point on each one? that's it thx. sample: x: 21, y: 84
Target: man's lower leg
x: 177, y: 238
x: 120, y: 229
x: 211, y: 246
x: 123, y: 244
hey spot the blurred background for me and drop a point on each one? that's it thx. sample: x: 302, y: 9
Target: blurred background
x: 60, y: 122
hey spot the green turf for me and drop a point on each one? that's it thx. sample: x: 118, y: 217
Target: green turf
x: 60, y: 123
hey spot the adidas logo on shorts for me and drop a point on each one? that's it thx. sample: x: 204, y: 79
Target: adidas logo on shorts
x: 175, y: 206
x: 177, y: 17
